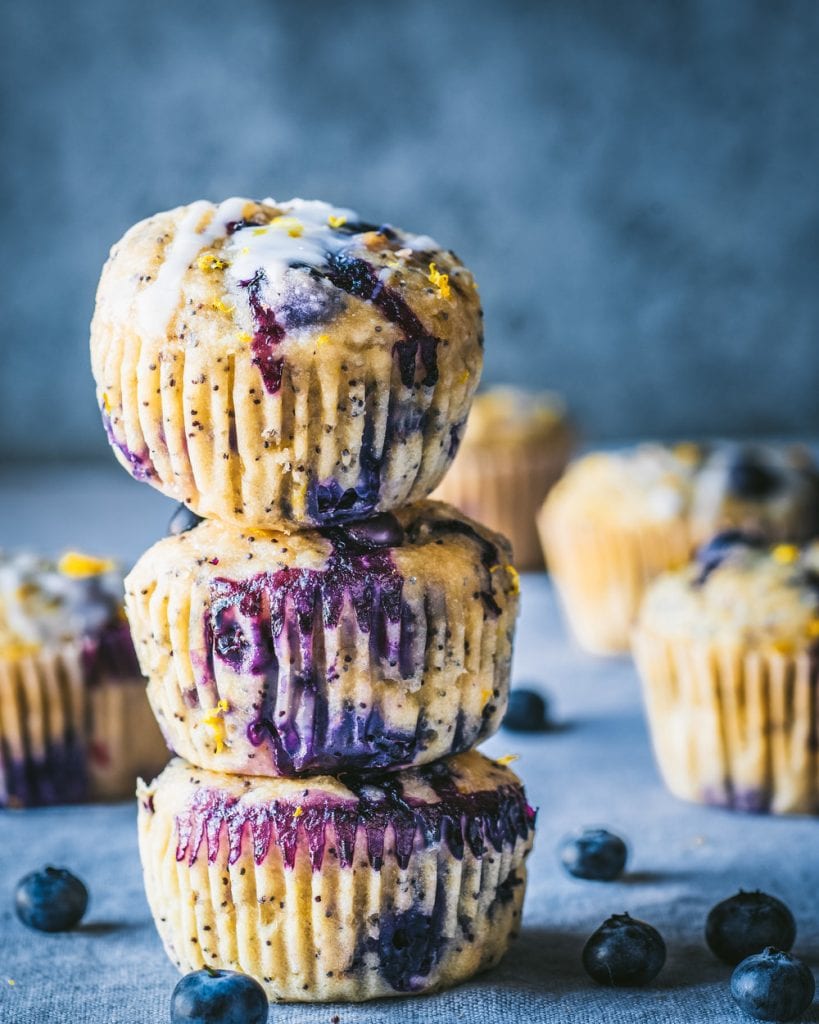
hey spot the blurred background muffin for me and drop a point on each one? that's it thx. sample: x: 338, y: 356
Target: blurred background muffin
x: 617, y: 519
x: 74, y: 717
x: 515, y: 446
x: 726, y: 650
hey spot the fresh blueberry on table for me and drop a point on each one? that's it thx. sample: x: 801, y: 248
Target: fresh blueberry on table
x: 773, y: 985
x: 218, y: 997
x: 527, y: 711
x: 746, y: 924
x: 183, y: 520
x: 595, y: 854
x: 51, y: 900
x: 624, y: 952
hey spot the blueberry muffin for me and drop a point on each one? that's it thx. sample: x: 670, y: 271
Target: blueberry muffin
x: 766, y: 489
x: 614, y: 521
x: 329, y: 889
x: 618, y: 519
x: 284, y: 364
x: 74, y: 720
x: 370, y: 645
x: 727, y: 651
x: 515, y: 446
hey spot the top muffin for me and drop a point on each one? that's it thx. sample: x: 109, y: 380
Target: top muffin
x: 284, y: 364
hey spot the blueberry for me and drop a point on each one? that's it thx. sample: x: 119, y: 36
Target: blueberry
x: 218, y: 997
x: 594, y: 853
x: 381, y: 531
x: 749, y: 477
x: 183, y: 520
x: 527, y: 711
x: 746, y: 924
x: 714, y: 553
x: 773, y: 985
x: 51, y: 900
x: 624, y: 952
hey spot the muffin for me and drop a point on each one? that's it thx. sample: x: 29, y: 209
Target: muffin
x: 328, y: 889
x: 766, y: 489
x: 284, y: 364
x: 618, y: 519
x: 613, y: 522
x: 378, y: 644
x: 727, y: 651
x: 515, y: 446
x: 74, y: 720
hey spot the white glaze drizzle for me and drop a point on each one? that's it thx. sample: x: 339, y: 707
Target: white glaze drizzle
x: 302, y: 234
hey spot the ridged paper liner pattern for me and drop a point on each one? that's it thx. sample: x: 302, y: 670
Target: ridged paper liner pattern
x: 504, y: 487
x: 601, y: 574
x: 415, y: 666
x: 343, y: 437
x: 733, y: 727
x: 63, y: 739
x: 401, y: 924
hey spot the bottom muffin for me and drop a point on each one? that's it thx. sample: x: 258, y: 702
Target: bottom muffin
x: 338, y: 889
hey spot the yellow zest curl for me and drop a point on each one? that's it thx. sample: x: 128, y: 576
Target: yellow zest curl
x: 298, y: 811
x: 106, y: 403
x: 512, y: 573
x: 336, y: 222
x: 245, y: 338
x: 441, y: 281
x: 79, y: 566
x: 785, y: 553
x: 221, y: 306
x: 291, y: 225
x: 210, y: 261
x: 323, y: 339
x: 214, y: 720
x: 507, y: 759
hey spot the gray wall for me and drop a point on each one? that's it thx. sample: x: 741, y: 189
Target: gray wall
x: 634, y: 183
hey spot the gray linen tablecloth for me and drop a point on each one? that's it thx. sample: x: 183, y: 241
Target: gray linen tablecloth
x: 597, y: 768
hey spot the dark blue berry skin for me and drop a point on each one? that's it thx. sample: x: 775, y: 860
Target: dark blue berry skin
x: 218, y: 997
x: 749, y: 477
x: 527, y: 711
x: 714, y: 553
x: 183, y: 520
x: 594, y: 854
x: 624, y: 952
x: 746, y: 924
x: 51, y: 900
x: 773, y: 985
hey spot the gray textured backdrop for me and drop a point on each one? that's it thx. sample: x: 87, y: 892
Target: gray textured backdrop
x: 634, y: 183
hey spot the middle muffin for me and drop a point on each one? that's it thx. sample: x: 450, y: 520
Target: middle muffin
x: 380, y: 644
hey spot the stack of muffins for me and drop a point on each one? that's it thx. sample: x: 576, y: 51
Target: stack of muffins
x: 326, y: 647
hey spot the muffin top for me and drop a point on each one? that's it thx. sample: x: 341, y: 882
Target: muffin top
x: 379, y: 558
x: 769, y: 489
x: 45, y: 603
x: 509, y: 415
x: 741, y: 591
x: 772, y: 490
x: 287, y: 281
x: 649, y: 483
x: 464, y: 799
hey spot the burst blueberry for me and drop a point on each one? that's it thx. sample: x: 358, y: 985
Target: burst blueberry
x: 746, y: 923
x: 595, y: 854
x: 750, y: 478
x: 183, y: 520
x: 624, y: 952
x: 773, y: 985
x: 711, y: 555
x: 218, y: 997
x: 51, y: 900
x: 527, y: 711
